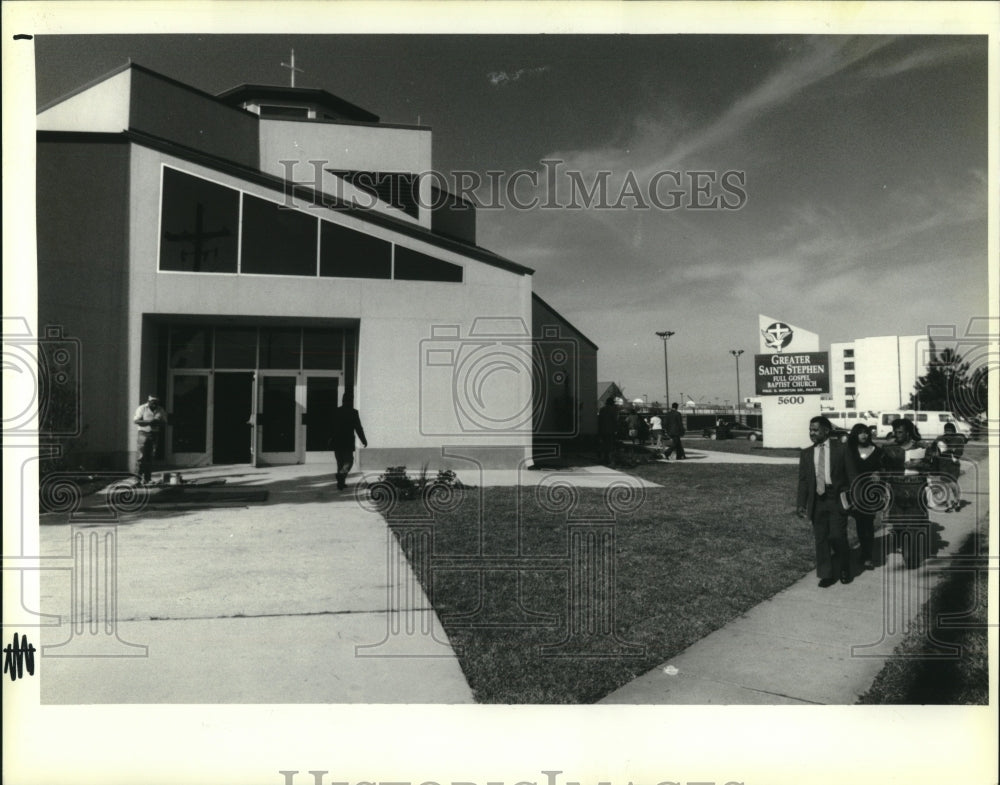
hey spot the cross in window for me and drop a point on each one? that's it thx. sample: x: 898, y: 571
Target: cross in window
x: 197, y: 238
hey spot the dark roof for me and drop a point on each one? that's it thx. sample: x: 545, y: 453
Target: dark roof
x: 337, y: 107
x: 128, y: 64
x: 565, y: 321
x: 605, y: 388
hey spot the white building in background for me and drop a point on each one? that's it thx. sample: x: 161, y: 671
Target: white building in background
x: 873, y: 374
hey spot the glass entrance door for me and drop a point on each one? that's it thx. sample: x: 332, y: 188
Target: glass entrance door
x: 231, y: 416
x: 279, y: 415
x: 242, y: 392
x: 322, y: 395
x: 187, y: 432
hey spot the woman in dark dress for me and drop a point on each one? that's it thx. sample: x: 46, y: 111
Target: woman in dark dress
x: 865, y: 461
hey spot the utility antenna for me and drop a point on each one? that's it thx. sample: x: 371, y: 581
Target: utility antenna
x: 291, y: 67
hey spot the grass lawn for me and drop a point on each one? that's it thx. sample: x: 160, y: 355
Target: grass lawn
x: 741, y: 447
x: 914, y: 675
x: 689, y: 557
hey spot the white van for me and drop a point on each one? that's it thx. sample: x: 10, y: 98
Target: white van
x: 930, y: 424
x: 845, y: 420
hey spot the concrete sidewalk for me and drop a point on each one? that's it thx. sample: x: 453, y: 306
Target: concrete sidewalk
x: 306, y: 598
x: 810, y: 645
x: 716, y: 456
x: 599, y: 476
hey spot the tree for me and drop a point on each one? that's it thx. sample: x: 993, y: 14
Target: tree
x: 974, y: 402
x: 949, y: 385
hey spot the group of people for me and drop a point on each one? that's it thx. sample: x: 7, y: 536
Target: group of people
x: 151, y: 420
x: 838, y: 480
x: 665, y: 433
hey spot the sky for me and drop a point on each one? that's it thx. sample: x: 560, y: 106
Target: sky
x: 845, y: 176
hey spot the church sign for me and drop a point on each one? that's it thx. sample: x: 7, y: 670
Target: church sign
x: 802, y: 373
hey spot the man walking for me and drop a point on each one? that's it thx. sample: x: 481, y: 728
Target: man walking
x: 607, y: 430
x: 824, y: 482
x: 150, y: 418
x: 674, y: 427
x: 346, y: 422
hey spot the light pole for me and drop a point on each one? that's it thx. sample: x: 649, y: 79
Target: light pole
x: 665, y: 335
x: 736, y: 353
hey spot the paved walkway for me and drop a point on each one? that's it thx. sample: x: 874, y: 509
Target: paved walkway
x: 307, y: 598
x: 715, y: 456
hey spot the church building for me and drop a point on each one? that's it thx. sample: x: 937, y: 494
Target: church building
x: 251, y: 255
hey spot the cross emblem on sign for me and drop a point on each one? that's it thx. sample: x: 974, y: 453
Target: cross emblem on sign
x: 777, y: 336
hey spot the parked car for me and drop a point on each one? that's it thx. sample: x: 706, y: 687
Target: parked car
x: 733, y: 430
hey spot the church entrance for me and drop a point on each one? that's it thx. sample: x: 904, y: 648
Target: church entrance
x: 261, y: 396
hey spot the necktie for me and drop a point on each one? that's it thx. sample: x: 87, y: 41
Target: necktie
x: 821, y: 470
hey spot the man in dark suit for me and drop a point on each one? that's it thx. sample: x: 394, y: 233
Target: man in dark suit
x: 673, y: 425
x: 824, y: 481
x: 346, y: 422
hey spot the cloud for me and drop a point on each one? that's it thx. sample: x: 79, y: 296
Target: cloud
x: 820, y: 59
x: 811, y: 61
x: 670, y: 138
x: 503, y: 78
x: 929, y: 57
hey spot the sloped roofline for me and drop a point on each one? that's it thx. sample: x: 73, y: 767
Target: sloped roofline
x: 298, y: 190
x: 129, y: 64
x: 232, y: 96
x: 534, y: 296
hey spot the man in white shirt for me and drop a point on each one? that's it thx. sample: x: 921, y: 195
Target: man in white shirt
x: 150, y: 419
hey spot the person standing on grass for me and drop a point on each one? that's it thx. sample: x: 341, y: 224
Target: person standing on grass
x: 674, y: 427
x: 607, y: 430
x: 656, y: 431
x: 865, y: 459
x: 824, y: 483
x: 346, y: 423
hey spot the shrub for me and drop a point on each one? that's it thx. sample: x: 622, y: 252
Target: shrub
x: 414, y: 488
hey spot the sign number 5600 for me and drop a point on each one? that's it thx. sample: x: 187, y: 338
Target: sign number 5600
x: 791, y: 399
